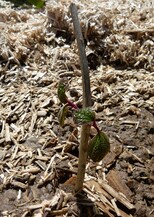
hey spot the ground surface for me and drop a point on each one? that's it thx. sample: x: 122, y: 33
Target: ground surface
x: 38, y: 158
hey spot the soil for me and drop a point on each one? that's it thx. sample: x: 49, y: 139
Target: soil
x: 39, y: 159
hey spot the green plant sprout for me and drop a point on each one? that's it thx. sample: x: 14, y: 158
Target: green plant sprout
x: 99, y: 145
x: 37, y: 3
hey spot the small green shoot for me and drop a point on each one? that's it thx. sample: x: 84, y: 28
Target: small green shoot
x: 61, y: 92
x: 84, y: 116
x: 98, y: 147
x: 62, y: 114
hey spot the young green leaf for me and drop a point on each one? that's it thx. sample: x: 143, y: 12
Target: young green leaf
x: 84, y: 116
x: 62, y: 115
x: 37, y: 3
x: 61, y: 92
x: 98, y: 147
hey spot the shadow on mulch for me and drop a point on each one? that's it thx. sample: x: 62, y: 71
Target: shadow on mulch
x: 87, y: 207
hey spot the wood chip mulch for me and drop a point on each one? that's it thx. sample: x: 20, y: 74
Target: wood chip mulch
x: 38, y: 158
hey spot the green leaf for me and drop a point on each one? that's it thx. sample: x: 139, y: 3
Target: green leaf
x: 37, y: 3
x: 62, y: 115
x: 84, y: 116
x: 61, y: 92
x: 98, y: 147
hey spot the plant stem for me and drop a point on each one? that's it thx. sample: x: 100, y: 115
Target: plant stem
x: 85, y: 130
x: 72, y: 104
x: 95, y: 126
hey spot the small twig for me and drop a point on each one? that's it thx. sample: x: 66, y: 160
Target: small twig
x: 82, y: 56
x: 85, y: 130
